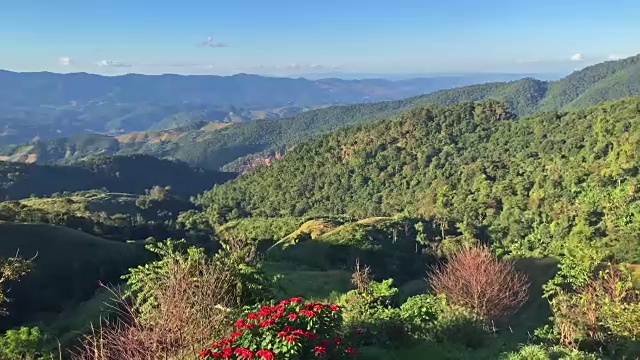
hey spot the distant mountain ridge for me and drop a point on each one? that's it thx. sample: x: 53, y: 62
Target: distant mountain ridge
x: 213, y: 146
x: 48, y: 105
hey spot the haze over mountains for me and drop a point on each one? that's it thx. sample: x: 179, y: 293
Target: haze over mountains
x: 213, y: 145
x: 48, y: 105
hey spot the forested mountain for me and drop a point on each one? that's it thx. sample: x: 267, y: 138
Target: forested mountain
x: 47, y: 105
x: 526, y: 185
x: 214, y: 145
x: 127, y: 174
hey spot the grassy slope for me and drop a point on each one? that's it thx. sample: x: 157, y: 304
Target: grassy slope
x: 68, y: 266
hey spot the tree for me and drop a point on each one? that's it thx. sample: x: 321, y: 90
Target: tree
x: 11, y: 269
x: 476, y: 279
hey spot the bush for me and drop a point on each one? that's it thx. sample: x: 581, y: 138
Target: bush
x: 369, y: 309
x: 176, y: 304
x: 291, y: 329
x: 604, y: 313
x: 477, y: 280
x: 540, y: 352
x: 24, y: 344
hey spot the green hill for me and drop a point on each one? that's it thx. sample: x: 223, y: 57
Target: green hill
x: 127, y: 174
x: 115, y: 216
x: 68, y: 267
x: 237, y: 144
x: 526, y: 185
x: 47, y: 105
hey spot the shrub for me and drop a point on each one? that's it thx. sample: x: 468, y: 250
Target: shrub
x: 291, y: 329
x: 602, y: 313
x: 475, y: 279
x: 24, y: 344
x: 540, y: 352
x: 176, y: 304
x: 12, y: 269
x: 369, y: 308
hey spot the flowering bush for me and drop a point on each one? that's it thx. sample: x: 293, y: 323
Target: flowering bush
x: 291, y: 329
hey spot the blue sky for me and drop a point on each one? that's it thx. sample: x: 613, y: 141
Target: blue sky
x: 311, y: 36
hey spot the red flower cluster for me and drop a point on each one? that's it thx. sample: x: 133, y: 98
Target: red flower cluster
x: 265, y: 333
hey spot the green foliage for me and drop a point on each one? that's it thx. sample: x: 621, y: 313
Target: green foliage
x: 474, y: 173
x: 128, y: 174
x: 601, y: 312
x: 255, y: 230
x: 540, y: 352
x: 244, y: 145
x: 24, y: 344
x: 110, y: 215
x: 67, y: 269
x: 11, y: 269
x: 249, y: 283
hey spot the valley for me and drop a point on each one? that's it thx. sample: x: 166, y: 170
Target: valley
x: 327, y: 219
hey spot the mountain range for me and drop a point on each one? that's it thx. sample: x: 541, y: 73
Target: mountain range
x: 213, y: 145
x: 48, y: 105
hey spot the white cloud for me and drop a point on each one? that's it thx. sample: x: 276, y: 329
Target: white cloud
x: 615, y: 57
x: 111, y: 63
x: 210, y: 42
x: 65, y: 61
x: 577, y: 57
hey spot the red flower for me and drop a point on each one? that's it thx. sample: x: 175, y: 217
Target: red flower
x: 307, y: 313
x: 318, y: 307
x: 291, y: 338
x: 293, y: 316
x: 337, y: 341
x: 358, y: 331
x: 334, y: 307
x: 245, y: 353
x: 235, y: 335
x: 282, y: 334
x: 225, y: 343
x: 320, y: 350
x: 295, y: 300
x: 267, y: 323
x: 252, y: 316
x: 204, y: 353
x: 227, y: 353
x: 241, y: 323
x: 266, y: 354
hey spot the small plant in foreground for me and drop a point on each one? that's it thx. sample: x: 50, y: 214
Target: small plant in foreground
x: 476, y: 279
x: 291, y: 329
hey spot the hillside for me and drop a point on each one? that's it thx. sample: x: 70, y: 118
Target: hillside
x: 525, y: 185
x: 115, y: 216
x: 211, y: 147
x: 68, y: 266
x: 126, y: 174
x: 48, y: 105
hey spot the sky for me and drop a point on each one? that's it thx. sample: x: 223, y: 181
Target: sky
x: 286, y: 37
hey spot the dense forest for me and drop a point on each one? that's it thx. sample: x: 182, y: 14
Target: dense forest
x: 525, y: 185
x: 479, y: 229
x: 126, y: 174
x: 214, y: 147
